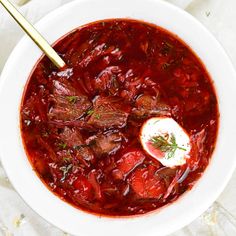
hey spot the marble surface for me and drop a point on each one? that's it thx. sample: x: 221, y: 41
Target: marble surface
x: 16, y: 218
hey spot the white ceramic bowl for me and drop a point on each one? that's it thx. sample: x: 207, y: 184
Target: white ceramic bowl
x: 61, y: 214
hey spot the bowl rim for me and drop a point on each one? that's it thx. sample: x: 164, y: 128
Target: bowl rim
x: 147, y: 221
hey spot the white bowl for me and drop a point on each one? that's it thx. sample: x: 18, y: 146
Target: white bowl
x: 63, y: 215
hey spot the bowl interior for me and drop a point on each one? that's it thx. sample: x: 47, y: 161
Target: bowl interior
x: 61, y: 214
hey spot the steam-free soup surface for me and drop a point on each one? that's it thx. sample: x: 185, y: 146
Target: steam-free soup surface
x: 81, y: 125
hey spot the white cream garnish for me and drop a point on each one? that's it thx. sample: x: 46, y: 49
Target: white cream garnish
x: 164, y: 139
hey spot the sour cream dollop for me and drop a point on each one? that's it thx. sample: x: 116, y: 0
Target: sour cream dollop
x: 165, y: 140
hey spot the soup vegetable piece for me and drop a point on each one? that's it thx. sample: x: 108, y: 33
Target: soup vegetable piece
x: 83, y: 126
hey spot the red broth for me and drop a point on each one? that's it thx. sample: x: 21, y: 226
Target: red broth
x: 80, y: 126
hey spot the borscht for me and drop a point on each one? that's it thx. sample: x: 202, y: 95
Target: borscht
x: 91, y: 131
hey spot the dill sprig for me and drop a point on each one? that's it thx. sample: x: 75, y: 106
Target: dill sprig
x: 72, y: 99
x: 166, y: 145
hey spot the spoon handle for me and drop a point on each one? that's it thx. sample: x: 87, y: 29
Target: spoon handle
x: 34, y: 34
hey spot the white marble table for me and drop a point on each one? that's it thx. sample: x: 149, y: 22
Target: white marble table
x: 16, y: 218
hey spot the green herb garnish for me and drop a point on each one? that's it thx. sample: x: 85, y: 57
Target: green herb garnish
x: 97, y: 116
x: 165, y: 145
x: 67, y: 159
x: 165, y: 66
x: 65, y: 170
x: 72, y: 99
x: 90, y: 112
x: 169, y: 45
x: 78, y: 147
x: 207, y: 13
x: 62, y: 145
x: 166, y: 48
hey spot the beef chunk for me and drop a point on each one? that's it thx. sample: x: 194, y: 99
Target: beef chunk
x: 68, y: 105
x: 108, y: 143
x: 74, y: 140
x: 71, y: 137
x: 69, y: 108
x: 63, y: 88
x: 147, y: 105
x: 108, y: 113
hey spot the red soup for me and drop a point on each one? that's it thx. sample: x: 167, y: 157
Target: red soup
x: 81, y: 125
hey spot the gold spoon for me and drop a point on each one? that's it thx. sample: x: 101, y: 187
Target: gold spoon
x: 34, y: 34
